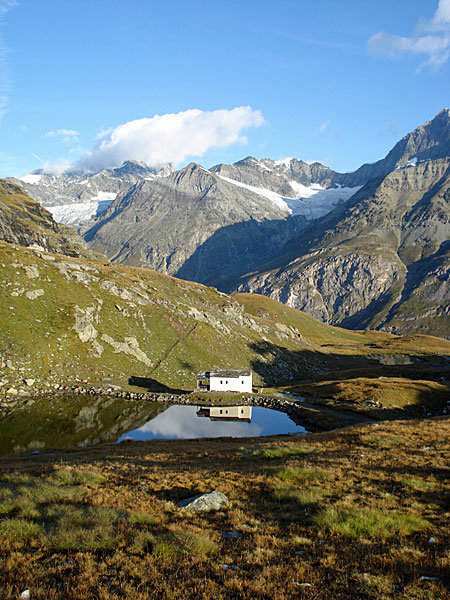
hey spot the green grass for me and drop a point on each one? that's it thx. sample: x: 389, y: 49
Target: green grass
x: 175, y: 545
x: 301, y: 475
x: 137, y: 516
x: 360, y: 523
x: 418, y: 485
x: 168, y: 548
x: 29, y: 502
x: 304, y: 498
x: 14, y: 530
x: 285, y: 451
x: 76, y: 477
x: 85, y: 528
x: 383, y: 441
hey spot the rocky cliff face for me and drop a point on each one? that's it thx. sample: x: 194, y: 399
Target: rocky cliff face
x: 193, y: 224
x: 26, y: 223
x: 74, y: 197
x: 278, y: 176
x: 381, y: 260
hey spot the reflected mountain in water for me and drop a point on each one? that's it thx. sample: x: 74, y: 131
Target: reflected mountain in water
x: 70, y: 420
x: 226, y: 413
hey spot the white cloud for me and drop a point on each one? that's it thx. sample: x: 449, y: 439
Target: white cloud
x: 170, y: 138
x: 67, y: 135
x: 430, y: 38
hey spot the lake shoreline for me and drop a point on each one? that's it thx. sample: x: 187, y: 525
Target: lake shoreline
x: 314, y: 419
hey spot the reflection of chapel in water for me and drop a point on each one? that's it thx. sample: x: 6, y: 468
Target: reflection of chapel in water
x: 226, y: 413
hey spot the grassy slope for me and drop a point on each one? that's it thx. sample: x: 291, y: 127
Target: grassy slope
x: 199, y: 326
x: 325, y: 517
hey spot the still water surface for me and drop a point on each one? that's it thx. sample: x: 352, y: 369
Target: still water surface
x: 67, y: 421
x: 182, y: 422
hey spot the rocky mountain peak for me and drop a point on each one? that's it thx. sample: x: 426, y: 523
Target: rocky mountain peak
x: 141, y: 169
x: 193, y: 177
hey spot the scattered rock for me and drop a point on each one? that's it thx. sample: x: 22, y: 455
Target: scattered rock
x: 211, y: 501
x: 11, y: 392
x: 84, y: 322
x: 33, y: 294
x: 130, y: 346
x: 25, y: 595
x: 431, y: 542
x: 97, y: 349
x: 31, y: 271
x: 228, y: 567
x: 29, y: 382
x: 425, y: 578
x: 231, y: 535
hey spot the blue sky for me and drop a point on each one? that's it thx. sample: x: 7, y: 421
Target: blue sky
x: 337, y: 82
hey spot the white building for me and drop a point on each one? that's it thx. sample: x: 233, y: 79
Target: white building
x: 226, y: 413
x: 225, y: 381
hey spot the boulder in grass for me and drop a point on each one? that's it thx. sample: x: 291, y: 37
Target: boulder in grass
x: 211, y: 501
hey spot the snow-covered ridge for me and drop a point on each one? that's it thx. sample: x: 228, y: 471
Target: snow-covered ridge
x: 284, y: 162
x: 311, y: 201
x: 31, y: 178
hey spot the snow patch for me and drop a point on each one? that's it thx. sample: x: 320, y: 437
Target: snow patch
x: 304, y: 191
x: 75, y: 214
x: 284, y: 162
x: 31, y: 178
x: 273, y: 196
x: 412, y: 162
x: 311, y: 201
x: 104, y: 196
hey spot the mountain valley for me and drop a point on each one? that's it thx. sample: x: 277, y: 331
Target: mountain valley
x: 367, y: 249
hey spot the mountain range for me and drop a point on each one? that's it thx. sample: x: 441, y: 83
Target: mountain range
x: 363, y: 249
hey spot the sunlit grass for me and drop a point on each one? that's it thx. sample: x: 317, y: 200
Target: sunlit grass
x: 419, y: 485
x: 355, y: 515
x: 285, y: 451
x: 383, y: 441
x: 305, y: 498
x: 368, y: 524
x: 13, y: 530
x: 301, y: 474
x: 78, y: 477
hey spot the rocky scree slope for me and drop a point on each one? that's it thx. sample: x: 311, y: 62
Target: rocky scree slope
x: 380, y: 260
x: 194, y: 225
x: 25, y: 222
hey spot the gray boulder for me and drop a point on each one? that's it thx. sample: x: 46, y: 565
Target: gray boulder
x: 211, y: 501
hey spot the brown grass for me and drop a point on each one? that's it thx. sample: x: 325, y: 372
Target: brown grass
x: 385, y: 395
x: 352, y: 519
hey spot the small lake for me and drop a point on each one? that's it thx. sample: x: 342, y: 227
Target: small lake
x: 64, y: 421
x: 184, y: 422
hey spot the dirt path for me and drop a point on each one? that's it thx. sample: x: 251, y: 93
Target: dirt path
x: 172, y: 347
